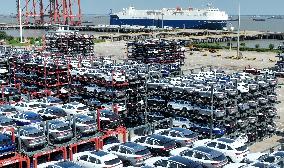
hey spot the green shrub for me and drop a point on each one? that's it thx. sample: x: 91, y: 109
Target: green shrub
x: 271, y: 46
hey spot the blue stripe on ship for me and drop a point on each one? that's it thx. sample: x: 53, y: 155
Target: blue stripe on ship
x: 188, y: 24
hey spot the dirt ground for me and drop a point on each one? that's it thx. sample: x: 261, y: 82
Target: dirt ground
x: 223, y: 59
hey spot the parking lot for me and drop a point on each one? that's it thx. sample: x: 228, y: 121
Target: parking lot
x: 165, y: 106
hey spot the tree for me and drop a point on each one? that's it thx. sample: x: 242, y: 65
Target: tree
x: 257, y: 46
x: 271, y: 46
x: 3, y: 35
x: 243, y: 44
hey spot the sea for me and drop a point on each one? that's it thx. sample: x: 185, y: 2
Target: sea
x: 269, y: 23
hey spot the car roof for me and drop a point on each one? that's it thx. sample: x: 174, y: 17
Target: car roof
x: 4, y: 118
x: 182, y: 130
x: 133, y: 146
x: 29, y: 128
x: 99, y: 153
x: 30, y: 113
x: 160, y: 138
x: 279, y: 153
x: 67, y: 164
x: 183, y: 160
x: 226, y: 140
x: 213, y: 153
x: 3, y: 136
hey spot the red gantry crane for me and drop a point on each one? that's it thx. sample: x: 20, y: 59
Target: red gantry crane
x: 40, y: 12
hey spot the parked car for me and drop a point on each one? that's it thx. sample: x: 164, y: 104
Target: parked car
x: 26, y: 118
x: 75, y: 108
x: 31, y: 138
x: 158, y: 145
x: 59, y: 164
x: 182, y: 137
x: 207, y: 157
x: 51, y: 101
x: 180, y: 105
x: 234, y: 150
x: 108, y: 119
x: 85, y: 125
x: 52, y: 112
x: 7, y: 146
x: 59, y: 131
x: 98, y: 159
x: 8, y: 110
x: 174, y: 161
x: 29, y: 106
x: 131, y: 154
x: 182, y: 122
x: 252, y: 157
x: 6, y: 122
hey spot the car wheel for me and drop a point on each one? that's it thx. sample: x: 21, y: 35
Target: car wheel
x: 127, y: 163
x: 24, y: 147
x: 229, y: 159
x: 184, y: 126
x: 178, y: 145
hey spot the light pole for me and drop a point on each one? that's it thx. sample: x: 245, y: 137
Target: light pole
x: 239, y: 25
x: 212, y: 112
x: 20, y: 20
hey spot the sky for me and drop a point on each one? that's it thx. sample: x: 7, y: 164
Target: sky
x: 248, y: 7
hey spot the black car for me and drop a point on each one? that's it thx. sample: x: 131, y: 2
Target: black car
x: 158, y: 145
x: 6, y: 122
x: 31, y: 138
x: 177, y: 161
x: 59, y: 131
x: 7, y: 110
x: 85, y: 125
x: 108, y: 119
x: 93, y: 102
x: 52, y: 112
x: 64, y: 164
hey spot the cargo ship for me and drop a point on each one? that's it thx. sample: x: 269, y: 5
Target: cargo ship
x: 191, y: 18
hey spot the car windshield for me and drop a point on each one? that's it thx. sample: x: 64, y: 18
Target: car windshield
x: 89, y: 121
x: 220, y: 158
x: 4, y: 141
x: 142, y: 152
x: 33, y: 117
x: 9, y: 109
x: 35, y: 134
x: 112, y: 162
x: 7, y: 122
x: 56, y: 111
x: 63, y: 128
x: 242, y: 148
x: 193, y: 135
x: 82, y: 108
x: 34, y: 105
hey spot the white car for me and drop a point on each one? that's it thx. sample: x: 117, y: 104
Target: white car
x: 131, y: 154
x: 169, y: 162
x: 208, y: 157
x: 182, y: 136
x: 59, y: 164
x: 243, y: 87
x: 236, y: 165
x: 29, y: 106
x: 234, y: 150
x: 182, y: 122
x: 98, y: 159
x: 75, y: 108
x: 252, y: 157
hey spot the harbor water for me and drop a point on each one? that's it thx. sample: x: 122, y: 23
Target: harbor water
x: 247, y: 23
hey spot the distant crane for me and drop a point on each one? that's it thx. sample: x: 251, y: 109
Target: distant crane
x: 40, y: 12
